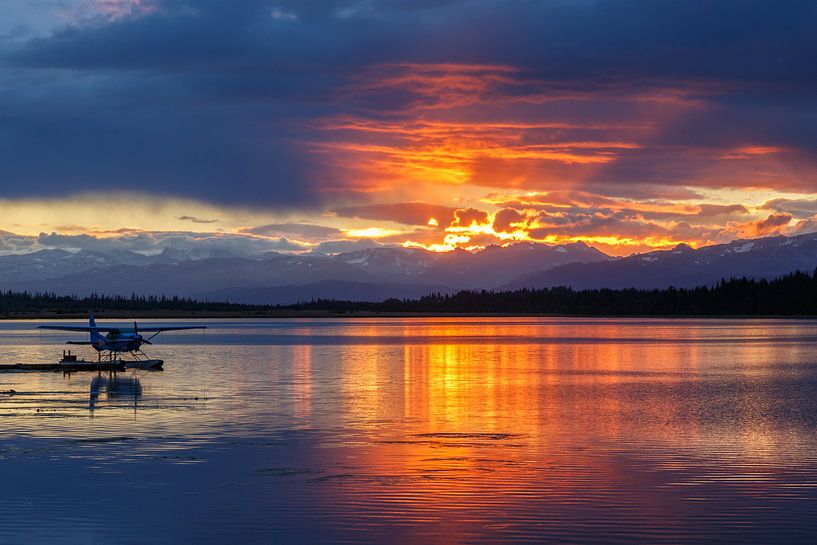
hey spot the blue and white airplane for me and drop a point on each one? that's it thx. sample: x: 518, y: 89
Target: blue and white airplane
x: 117, y: 340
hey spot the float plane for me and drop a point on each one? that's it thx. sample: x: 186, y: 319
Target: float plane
x: 117, y: 340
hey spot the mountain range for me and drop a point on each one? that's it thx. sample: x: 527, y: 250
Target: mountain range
x: 378, y: 273
x: 684, y: 267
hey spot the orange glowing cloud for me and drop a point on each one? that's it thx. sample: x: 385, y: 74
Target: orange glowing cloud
x: 505, y: 127
x: 614, y: 231
x: 775, y: 224
x: 564, y: 164
x: 456, y: 152
x: 469, y: 218
x: 747, y: 152
x: 456, y: 158
x: 446, y: 86
x: 498, y: 126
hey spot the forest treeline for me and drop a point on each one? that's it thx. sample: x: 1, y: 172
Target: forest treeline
x: 12, y: 302
x: 792, y: 295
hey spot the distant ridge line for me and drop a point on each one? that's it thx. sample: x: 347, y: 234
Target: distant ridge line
x: 794, y: 294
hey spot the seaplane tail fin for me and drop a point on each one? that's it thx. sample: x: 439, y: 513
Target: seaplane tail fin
x: 95, y: 335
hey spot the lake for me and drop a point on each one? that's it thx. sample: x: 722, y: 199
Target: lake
x: 432, y: 430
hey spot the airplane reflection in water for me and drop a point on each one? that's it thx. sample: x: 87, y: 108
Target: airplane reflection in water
x: 116, y: 390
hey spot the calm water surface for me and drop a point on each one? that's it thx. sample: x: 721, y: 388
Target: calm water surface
x: 420, y: 431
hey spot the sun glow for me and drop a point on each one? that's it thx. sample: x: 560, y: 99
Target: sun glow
x: 371, y: 232
x: 481, y: 231
x: 450, y: 242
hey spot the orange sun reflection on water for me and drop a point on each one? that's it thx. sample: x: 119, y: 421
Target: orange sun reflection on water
x: 487, y: 420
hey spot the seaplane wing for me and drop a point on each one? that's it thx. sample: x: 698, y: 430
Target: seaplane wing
x: 82, y: 328
x: 160, y: 329
x: 87, y: 329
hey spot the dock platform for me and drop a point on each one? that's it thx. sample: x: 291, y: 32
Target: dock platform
x: 72, y: 365
x: 67, y: 367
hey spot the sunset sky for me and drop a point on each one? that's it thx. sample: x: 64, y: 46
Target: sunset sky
x: 323, y: 126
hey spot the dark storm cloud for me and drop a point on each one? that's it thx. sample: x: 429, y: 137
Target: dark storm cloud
x: 505, y: 218
x: 195, y: 219
x: 466, y: 217
x: 749, y: 40
x: 213, y: 99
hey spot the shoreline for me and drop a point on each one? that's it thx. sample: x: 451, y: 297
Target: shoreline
x: 289, y: 314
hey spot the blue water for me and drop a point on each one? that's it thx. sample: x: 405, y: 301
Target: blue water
x: 420, y: 431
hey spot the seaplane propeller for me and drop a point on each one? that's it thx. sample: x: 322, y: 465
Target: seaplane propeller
x: 136, y: 333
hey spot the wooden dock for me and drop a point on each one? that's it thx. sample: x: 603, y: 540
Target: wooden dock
x: 66, y: 367
x: 70, y: 363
